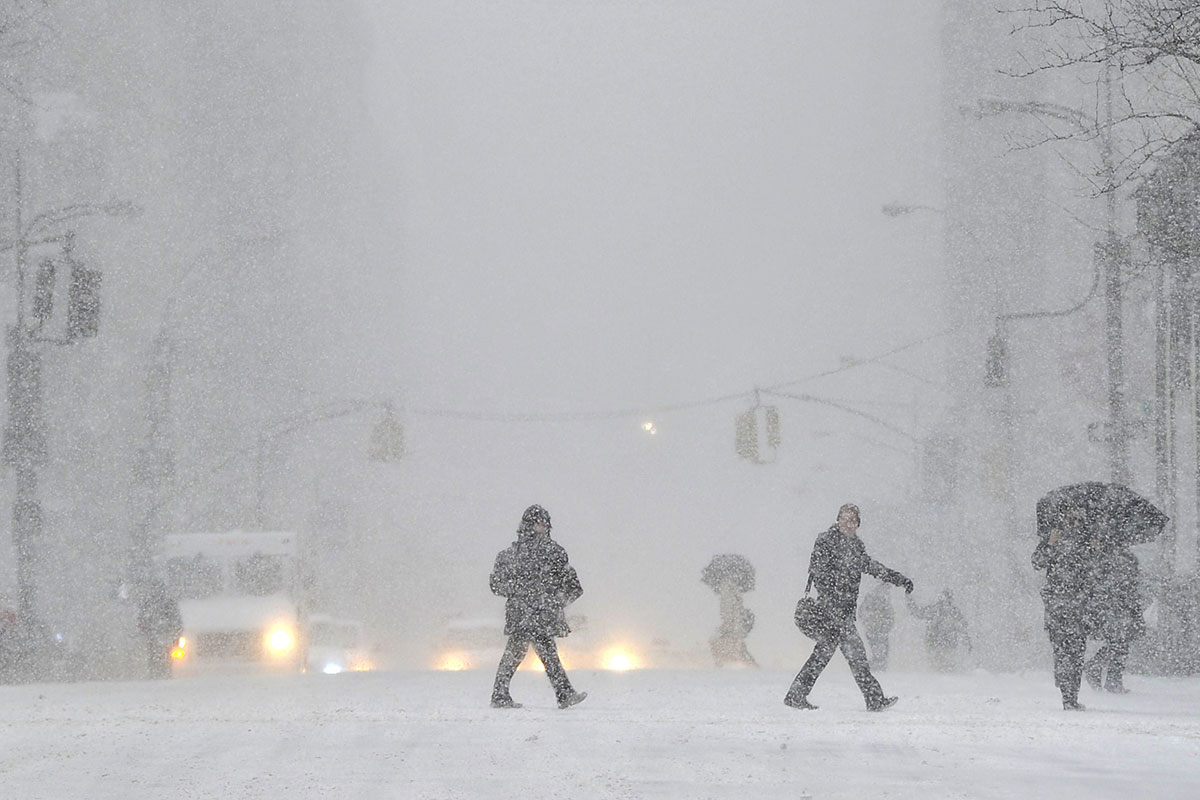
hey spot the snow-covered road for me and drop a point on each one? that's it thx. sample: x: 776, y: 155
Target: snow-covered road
x: 696, y: 734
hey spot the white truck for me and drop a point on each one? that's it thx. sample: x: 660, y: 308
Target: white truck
x: 242, y: 597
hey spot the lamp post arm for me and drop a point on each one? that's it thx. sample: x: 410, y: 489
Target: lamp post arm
x: 808, y: 398
x: 1001, y: 318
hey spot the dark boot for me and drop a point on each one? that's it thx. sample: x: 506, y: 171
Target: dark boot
x: 798, y: 702
x: 574, y: 698
x: 504, y: 702
x: 883, y: 704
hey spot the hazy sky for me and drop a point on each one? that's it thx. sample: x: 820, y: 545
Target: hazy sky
x: 604, y: 206
x: 616, y: 204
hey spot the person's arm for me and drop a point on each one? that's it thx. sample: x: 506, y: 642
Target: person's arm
x: 885, y: 574
x: 503, y: 579
x: 820, y: 565
x: 1047, y: 550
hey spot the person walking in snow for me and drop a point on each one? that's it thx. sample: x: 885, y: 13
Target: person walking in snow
x: 534, y: 576
x: 839, y: 559
x: 877, y: 617
x: 1067, y: 557
x: 945, y: 630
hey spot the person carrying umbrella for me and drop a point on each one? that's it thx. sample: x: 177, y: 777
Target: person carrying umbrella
x: 730, y: 575
x: 1077, y: 526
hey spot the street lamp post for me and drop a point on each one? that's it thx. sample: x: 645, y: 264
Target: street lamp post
x: 24, y: 447
x: 1110, y: 256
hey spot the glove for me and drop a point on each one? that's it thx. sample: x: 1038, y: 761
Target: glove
x: 908, y: 587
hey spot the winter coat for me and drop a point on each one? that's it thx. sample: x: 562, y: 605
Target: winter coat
x: 1067, y: 565
x: 1112, y: 608
x: 533, y: 574
x: 946, y: 628
x: 837, y: 564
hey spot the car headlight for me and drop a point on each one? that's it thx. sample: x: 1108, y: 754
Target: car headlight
x: 280, y: 640
x: 179, y: 651
x: 453, y: 662
x: 619, y: 659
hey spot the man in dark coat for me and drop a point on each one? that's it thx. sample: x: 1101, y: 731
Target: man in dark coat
x: 534, y: 576
x: 839, y: 559
x: 1066, y: 553
x: 1113, y: 614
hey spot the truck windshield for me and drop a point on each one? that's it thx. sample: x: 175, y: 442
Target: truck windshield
x: 259, y: 575
x: 194, y: 577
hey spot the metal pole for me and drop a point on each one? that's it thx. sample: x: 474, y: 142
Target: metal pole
x: 1114, y: 255
x: 25, y: 435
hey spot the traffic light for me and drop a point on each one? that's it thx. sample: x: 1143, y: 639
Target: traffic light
x: 747, y: 435
x: 43, y: 290
x: 83, y: 302
x: 754, y: 427
x: 387, y: 440
x: 996, y: 371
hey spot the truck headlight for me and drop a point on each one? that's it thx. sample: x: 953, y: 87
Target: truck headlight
x: 280, y: 640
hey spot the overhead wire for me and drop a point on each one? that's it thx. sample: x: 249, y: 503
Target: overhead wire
x: 651, y: 410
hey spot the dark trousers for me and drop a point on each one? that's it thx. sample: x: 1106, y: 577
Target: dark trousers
x: 1110, y: 660
x: 514, y: 653
x: 848, y: 640
x: 1069, y: 644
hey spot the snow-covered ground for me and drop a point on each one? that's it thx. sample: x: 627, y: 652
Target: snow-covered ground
x: 653, y: 734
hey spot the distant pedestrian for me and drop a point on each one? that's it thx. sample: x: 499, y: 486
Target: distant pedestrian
x: 839, y: 559
x: 945, y: 631
x: 877, y: 618
x: 160, y: 623
x: 538, y: 582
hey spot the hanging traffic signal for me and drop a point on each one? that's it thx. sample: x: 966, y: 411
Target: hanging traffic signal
x: 996, y: 371
x: 387, y: 440
x: 758, y: 434
x: 747, y: 435
x: 83, y: 302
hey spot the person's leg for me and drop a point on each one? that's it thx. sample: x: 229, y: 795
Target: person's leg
x: 1114, y: 678
x: 547, y: 651
x: 1093, y: 668
x: 856, y: 656
x: 802, y: 684
x: 1069, y: 645
x: 514, y: 652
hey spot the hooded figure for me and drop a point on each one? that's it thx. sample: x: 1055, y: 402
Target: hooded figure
x: 534, y: 576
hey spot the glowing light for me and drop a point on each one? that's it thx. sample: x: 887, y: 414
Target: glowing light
x: 453, y: 662
x: 332, y: 669
x: 649, y: 427
x: 619, y: 660
x: 280, y: 640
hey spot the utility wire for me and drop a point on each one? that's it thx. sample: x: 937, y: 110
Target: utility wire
x: 581, y: 416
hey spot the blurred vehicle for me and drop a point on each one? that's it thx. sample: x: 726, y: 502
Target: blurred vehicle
x: 337, y: 645
x: 478, y: 644
x: 242, y: 599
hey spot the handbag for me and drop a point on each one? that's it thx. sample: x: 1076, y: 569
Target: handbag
x: 811, y: 617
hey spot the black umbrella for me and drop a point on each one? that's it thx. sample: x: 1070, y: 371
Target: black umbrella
x: 729, y: 567
x: 1107, y: 511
